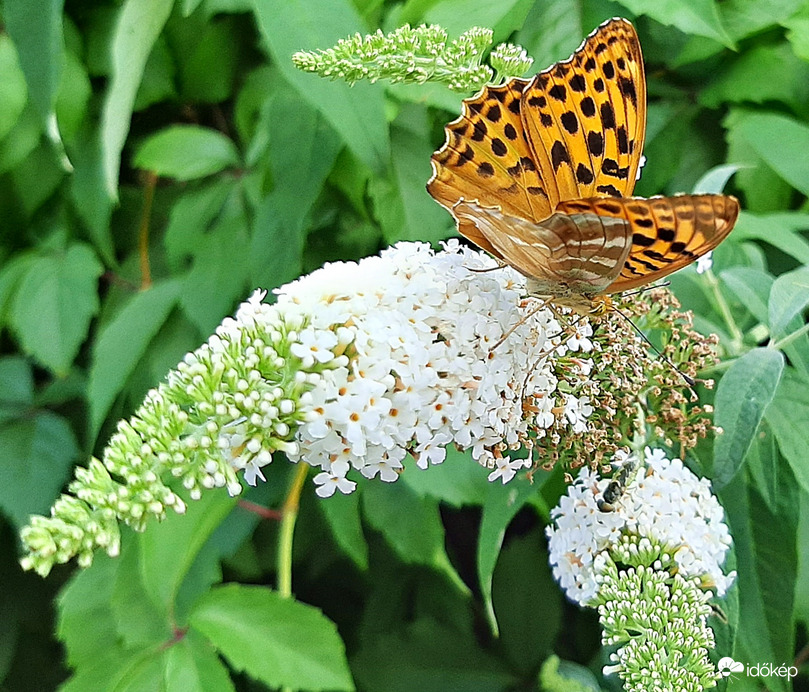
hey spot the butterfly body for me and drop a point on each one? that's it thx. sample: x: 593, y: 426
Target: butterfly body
x: 540, y: 174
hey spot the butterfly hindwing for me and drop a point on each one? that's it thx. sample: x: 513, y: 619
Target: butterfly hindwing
x: 577, y: 251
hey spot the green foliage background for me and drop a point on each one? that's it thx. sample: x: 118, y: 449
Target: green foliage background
x: 160, y: 159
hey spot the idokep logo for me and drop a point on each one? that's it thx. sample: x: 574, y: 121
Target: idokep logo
x: 727, y: 667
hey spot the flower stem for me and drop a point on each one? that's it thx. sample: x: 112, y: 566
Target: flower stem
x: 789, y: 338
x: 290, y: 515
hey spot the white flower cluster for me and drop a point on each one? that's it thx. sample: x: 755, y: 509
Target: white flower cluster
x: 412, y: 360
x: 665, y: 503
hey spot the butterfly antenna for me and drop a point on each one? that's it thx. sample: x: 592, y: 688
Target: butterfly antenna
x: 688, y: 380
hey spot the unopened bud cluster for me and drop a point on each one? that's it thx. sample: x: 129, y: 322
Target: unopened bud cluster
x: 416, y: 55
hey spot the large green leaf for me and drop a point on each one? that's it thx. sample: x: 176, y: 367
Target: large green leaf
x: 779, y: 230
x: 787, y: 416
x: 13, y: 90
x: 357, y: 112
x: 186, y: 152
x: 276, y: 640
x: 780, y: 141
x: 36, y: 27
x: 139, y: 24
x: 417, y: 540
x: 302, y: 152
x: 37, y: 452
x: 692, y: 17
x: 788, y: 298
x: 766, y: 563
x: 168, y: 550
x: 122, y: 343
x: 502, y: 503
x: 54, y: 304
x: 752, y: 288
x: 742, y: 397
x: 764, y: 73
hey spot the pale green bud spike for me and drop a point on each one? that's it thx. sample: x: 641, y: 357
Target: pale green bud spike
x: 414, y: 55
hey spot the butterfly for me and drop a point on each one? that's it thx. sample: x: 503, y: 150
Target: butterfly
x: 540, y: 174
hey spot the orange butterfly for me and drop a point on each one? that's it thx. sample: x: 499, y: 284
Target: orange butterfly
x: 539, y: 173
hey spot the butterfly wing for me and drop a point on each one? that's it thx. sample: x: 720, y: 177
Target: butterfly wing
x: 575, y: 252
x: 585, y: 117
x: 604, y: 244
x: 669, y: 233
x: 487, y: 158
x: 524, y: 146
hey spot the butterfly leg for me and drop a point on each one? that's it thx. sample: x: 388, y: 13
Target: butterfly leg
x: 520, y: 322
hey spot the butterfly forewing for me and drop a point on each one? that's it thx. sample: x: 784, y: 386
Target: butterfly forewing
x: 487, y: 158
x: 586, y: 117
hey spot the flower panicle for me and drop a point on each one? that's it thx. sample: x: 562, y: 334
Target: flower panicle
x: 649, y: 565
x: 416, y: 55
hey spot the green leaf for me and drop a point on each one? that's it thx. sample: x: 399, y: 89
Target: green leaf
x: 86, y: 625
x: 557, y: 675
x: 798, y: 32
x: 788, y: 298
x: 778, y: 140
x: 417, y: 540
x: 186, y: 152
x: 211, y: 52
x: 54, y: 303
x: 36, y: 454
x: 123, y: 342
x: 779, y: 230
x: 192, y: 215
x: 342, y: 514
x: 692, y: 17
x: 13, y: 91
x: 191, y: 665
x: 139, y: 24
x: 458, y: 481
x: 787, y: 416
x: 357, y: 112
x: 751, y: 287
x: 714, y: 181
x: 218, y: 278
x: 744, y: 18
x: 764, y: 190
x: 36, y: 27
x: 742, y: 397
x: 16, y: 383
x: 766, y: 562
x: 456, y: 16
x: 502, y: 504
x: 302, y: 153
x: 168, y: 550
x: 91, y: 199
x: 524, y: 561
x: 760, y: 75
x: 422, y: 218
x: 121, y: 671
x: 428, y: 655
x: 73, y: 97
x: 276, y: 640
